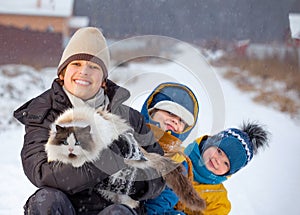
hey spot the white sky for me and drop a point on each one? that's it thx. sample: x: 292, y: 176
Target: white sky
x: 294, y: 19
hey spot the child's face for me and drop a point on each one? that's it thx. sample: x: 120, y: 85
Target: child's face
x: 168, y: 121
x: 216, y: 160
x: 83, y: 78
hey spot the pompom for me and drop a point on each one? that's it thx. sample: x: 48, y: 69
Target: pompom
x: 257, y: 134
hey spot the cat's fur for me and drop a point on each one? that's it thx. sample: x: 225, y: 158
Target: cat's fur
x: 88, y: 132
x: 102, y: 130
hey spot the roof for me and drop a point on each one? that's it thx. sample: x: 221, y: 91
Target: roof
x: 295, y: 25
x: 79, y: 21
x: 56, y: 8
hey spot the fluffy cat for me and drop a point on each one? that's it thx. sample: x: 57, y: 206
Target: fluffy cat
x: 80, y: 134
x: 71, y: 145
x: 100, y: 131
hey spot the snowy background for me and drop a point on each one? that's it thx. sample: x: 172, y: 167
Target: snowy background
x: 268, y: 185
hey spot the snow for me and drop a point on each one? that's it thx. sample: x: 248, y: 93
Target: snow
x: 294, y: 19
x: 268, y: 185
x: 263, y: 51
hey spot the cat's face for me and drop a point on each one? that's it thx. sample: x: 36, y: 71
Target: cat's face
x: 73, y: 145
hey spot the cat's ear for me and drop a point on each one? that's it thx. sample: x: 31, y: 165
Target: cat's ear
x: 87, y: 128
x: 59, y: 128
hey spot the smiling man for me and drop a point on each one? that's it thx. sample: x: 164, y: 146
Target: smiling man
x: 82, y: 80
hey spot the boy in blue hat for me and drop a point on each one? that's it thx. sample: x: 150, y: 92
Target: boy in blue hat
x: 215, y: 158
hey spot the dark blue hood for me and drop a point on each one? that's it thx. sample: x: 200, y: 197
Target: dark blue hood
x: 177, y: 93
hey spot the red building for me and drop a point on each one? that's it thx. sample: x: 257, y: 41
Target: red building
x: 34, y: 31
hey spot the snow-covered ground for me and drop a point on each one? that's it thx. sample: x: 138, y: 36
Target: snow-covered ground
x: 268, y: 185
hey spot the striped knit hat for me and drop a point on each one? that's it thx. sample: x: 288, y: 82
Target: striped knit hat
x: 239, y: 144
x: 86, y: 44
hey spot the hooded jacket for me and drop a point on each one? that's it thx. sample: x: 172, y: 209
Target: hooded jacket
x: 37, y: 115
x: 176, y: 93
x: 169, y: 140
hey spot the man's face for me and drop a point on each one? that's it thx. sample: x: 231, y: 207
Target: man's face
x: 169, y: 121
x: 83, y: 78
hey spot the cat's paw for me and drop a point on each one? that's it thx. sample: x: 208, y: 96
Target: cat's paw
x: 124, y: 199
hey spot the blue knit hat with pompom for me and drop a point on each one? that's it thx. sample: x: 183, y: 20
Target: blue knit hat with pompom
x: 239, y: 144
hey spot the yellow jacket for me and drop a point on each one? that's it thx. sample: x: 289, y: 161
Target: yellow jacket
x: 215, y: 195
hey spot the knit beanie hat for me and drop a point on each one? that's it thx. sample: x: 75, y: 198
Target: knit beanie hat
x: 164, y: 102
x: 86, y: 44
x: 177, y: 99
x: 238, y: 144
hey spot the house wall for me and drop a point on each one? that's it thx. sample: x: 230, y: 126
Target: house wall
x: 36, y: 23
x: 36, y: 48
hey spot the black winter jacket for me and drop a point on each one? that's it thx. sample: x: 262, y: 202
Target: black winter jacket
x: 78, y: 183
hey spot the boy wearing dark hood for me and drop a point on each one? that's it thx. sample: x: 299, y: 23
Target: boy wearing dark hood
x: 171, y: 111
